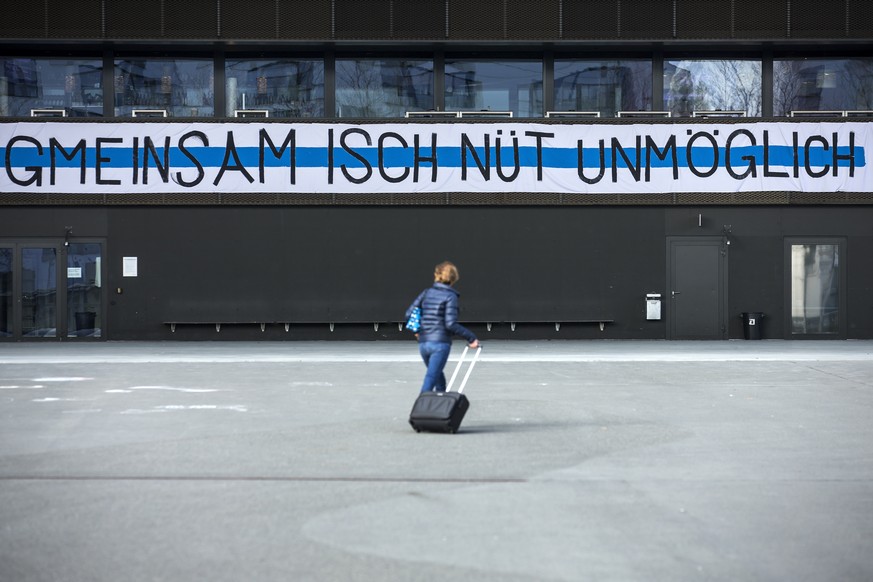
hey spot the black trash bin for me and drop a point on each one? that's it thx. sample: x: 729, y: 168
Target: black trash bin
x: 85, y: 320
x: 752, y: 324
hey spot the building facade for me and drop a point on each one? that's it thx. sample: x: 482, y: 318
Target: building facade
x: 293, y: 169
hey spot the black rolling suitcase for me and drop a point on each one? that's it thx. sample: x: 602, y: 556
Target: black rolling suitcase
x: 443, y: 411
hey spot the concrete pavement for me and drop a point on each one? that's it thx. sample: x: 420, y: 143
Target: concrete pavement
x: 588, y: 460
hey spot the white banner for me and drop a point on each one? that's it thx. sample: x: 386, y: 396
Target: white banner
x: 301, y: 158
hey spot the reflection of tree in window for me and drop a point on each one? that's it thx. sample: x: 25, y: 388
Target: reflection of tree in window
x: 286, y: 88
x: 514, y: 86
x: 359, y: 90
x: 71, y: 85
x: 726, y: 85
x: 822, y: 85
x: 681, y: 92
x: 858, y: 83
x: 383, y: 88
x: 605, y: 86
x: 786, y: 89
x: 181, y: 87
x: 462, y: 89
x: 735, y: 87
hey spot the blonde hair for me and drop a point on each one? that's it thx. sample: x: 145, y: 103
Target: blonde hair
x: 446, y: 272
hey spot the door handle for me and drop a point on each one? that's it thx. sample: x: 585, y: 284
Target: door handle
x: 675, y: 293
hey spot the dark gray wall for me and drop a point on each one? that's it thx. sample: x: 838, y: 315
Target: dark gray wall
x: 367, y: 264
x: 355, y: 265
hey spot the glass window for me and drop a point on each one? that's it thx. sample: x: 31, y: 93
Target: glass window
x: 712, y: 85
x: 62, y: 87
x: 179, y: 87
x: 83, y: 289
x: 282, y: 88
x: 383, y: 87
x: 822, y: 85
x: 606, y: 86
x: 515, y: 86
x: 815, y: 288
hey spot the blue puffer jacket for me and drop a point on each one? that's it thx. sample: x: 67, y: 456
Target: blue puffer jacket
x: 439, y: 315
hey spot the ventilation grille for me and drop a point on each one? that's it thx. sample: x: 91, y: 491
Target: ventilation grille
x: 305, y: 19
x: 419, y: 19
x: 479, y: 20
x: 594, y: 19
x: 831, y: 198
x: 860, y: 19
x: 444, y: 199
x: 26, y: 21
x: 732, y: 198
x: 363, y: 19
x: 457, y: 20
x: 80, y: 19
x: 134, y: 19
x: 249, y: 19
x: 646, y: 19
x: 814, y: 19
x: 533, y: 20
x: 196, y: 19
x: 760, y: 19
x: 703, y: 19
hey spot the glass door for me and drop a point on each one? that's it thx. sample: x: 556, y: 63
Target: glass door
x: 7, y: 301
x: 816, y: 286
x: 38, y: 294
x: 84, y: 290
x: 49, y: 289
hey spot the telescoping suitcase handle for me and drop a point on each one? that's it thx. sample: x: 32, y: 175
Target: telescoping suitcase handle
x: 458, y: 369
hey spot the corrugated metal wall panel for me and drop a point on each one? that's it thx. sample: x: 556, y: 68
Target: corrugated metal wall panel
x: 703, y: 19
x: 760, y: 19
x: 590, y: 19
x: 442, y: 199
x: 76, y: 20
x: 453, y: 20
x: 646, y: 19
x: 25, y: 22
x: 480, y: 20
x: 134, y: 19
x: 248, y: 19
x: 814, y: 19
x: 420, y: 19
x: 196, y: 19
x: 860, y: 19
x: 533, y: 19
x: 362, y: 19
x: 305, y: 20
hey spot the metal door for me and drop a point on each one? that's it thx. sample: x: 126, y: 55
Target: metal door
x: 697, y: 297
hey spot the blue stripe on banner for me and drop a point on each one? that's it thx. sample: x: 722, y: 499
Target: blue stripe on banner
x: 448, y: 157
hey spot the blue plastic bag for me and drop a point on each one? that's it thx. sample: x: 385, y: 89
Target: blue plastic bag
x: 413, y: 324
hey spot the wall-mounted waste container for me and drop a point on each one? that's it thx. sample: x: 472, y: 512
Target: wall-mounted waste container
x: 653, y: 306
x: 752, y: 324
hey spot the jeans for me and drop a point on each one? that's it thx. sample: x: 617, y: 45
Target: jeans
x: 435, y: 356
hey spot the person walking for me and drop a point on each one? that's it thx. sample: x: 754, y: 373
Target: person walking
x: 439, y: 322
